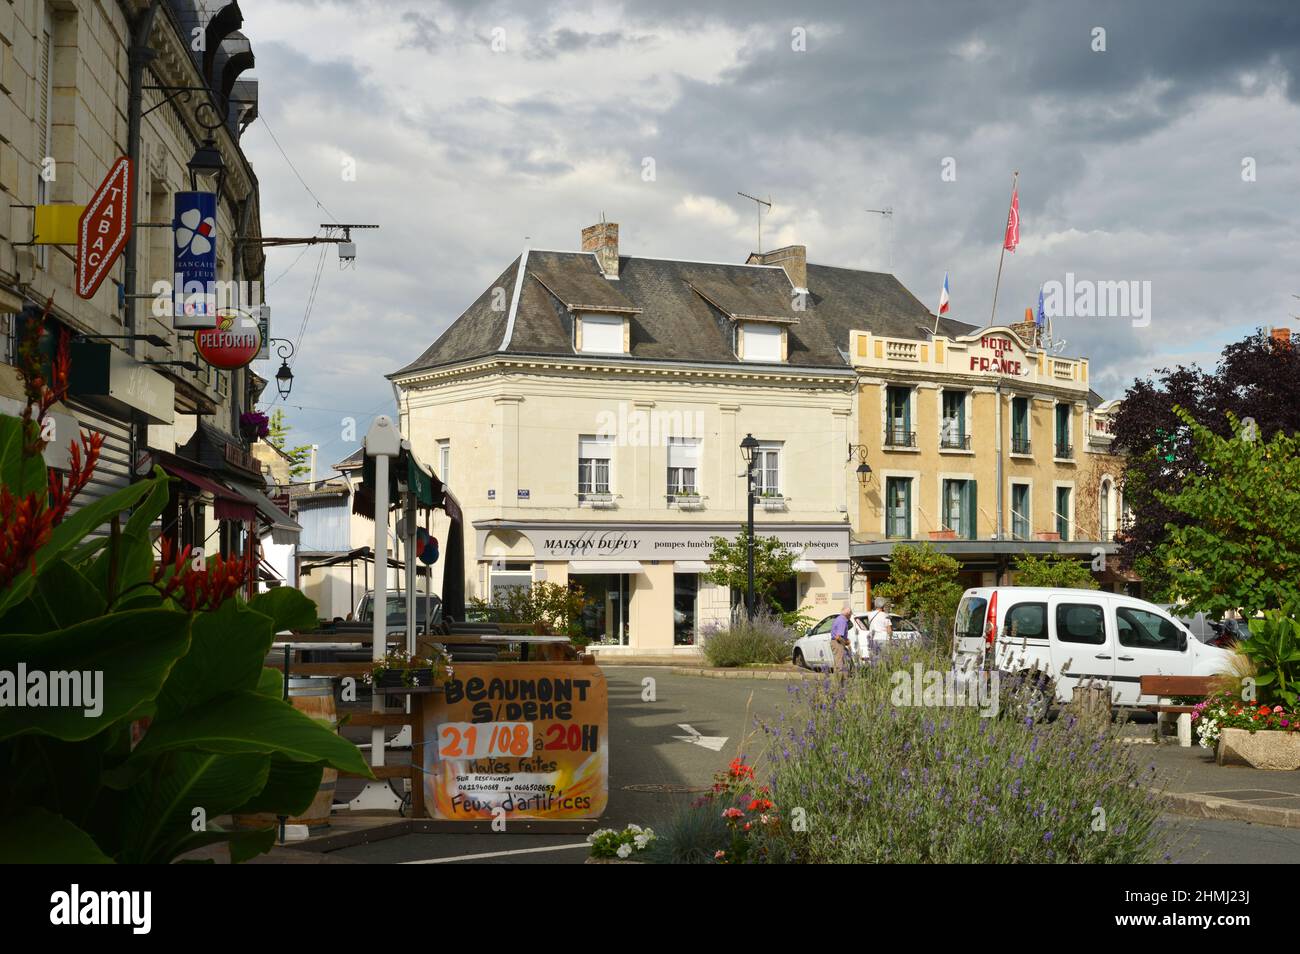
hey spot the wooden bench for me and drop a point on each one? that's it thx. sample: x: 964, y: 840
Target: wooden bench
x: 1165, y: 687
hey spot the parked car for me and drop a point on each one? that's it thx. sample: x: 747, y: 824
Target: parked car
x: 397, y: 610
x: 1216, y: 632
x: 813, y: 650
x: 1078, y: 637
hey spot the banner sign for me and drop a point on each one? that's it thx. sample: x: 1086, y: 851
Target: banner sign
x: 234, y: 343
x: 529, y: 739
x: 103, y: 228
x: 613, y: 541
x: 195, y: 260
x: 263, y: 314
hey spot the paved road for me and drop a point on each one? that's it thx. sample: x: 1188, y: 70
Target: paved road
x: 651, y: 773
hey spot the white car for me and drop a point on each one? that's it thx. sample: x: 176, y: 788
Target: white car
x: 813, y: 651
x: 1078, y: 637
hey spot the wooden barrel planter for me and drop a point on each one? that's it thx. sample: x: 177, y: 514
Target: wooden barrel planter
x: 313, y: 697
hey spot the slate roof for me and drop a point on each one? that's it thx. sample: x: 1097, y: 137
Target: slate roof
x: 683, y: 311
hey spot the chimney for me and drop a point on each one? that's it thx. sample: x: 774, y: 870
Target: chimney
x: 793, y: 258
x: 1281, y: 337
x: 1027, y: 330
x: 602, y: 238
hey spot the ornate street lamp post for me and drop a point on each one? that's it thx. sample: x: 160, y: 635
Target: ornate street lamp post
x: 747, y: 448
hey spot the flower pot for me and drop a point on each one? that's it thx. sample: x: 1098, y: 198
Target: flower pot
x: 1049, y: 536
x: 249, y: 434
x: 943, y: 534
x: 1269, y: 749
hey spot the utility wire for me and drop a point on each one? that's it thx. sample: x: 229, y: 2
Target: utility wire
x: 319, y: 204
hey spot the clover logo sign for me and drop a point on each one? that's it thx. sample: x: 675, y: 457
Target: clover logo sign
x: 195, y: 234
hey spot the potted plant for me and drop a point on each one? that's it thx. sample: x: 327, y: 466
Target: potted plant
x: 254, y: 425
x: 611, y: 846
x: 408, y: 673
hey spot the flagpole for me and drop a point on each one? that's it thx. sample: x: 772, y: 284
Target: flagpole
x: 1014, y: 176
x: 936, y: 311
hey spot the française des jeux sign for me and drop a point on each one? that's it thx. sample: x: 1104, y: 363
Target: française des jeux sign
x: 526, y: 740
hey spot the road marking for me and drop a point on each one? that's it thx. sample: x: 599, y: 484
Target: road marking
x: 493, y: 854
x: 713, y: 742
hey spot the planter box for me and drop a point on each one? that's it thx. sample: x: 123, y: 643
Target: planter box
x: 1269, y: 749
x: 1052, y: 537
x: 943, y: 534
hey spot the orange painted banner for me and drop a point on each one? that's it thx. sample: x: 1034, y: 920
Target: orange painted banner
x: 515, y: 740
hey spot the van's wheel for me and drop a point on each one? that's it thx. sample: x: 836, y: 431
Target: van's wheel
x: 798, y: 659
x: 1039, y: 696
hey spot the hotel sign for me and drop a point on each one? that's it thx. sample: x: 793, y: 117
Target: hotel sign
x: 641, y: 542
x: 999, y: 355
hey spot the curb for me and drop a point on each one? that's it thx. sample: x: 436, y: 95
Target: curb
x: 1198, y: 805
x: 786, y: 674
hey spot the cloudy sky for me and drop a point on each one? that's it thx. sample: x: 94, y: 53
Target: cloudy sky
x: 1171, y: 156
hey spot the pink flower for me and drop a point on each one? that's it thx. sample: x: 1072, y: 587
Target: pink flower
x: 719, y: 854
x: 733, y: 813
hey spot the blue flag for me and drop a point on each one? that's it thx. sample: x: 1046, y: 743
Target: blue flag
x: 1040, y: 319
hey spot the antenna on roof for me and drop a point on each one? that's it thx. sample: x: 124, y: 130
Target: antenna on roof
x: 758, y: 207
x: 888, y: 213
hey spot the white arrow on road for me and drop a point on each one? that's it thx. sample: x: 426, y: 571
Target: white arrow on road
x: 714, y: 742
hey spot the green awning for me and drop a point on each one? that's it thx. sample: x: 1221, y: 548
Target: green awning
x: 405, y: 474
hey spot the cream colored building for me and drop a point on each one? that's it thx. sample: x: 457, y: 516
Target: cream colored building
x: 587, y: 412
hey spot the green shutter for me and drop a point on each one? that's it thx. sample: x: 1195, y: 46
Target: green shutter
x: 969, y: 510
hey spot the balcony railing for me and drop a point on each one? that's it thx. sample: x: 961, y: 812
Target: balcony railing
x: 1064, y: 452
x: 899, y: 438
x: 954, y: 441
x: 1020, y: 445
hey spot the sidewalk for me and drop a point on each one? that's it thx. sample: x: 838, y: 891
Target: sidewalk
x: 1202, y: 789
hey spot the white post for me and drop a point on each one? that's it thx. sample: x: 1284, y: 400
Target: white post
x: 383, y: 441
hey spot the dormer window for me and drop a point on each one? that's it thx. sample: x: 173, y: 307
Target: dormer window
x: 602, y: 334
x: 760, y: 341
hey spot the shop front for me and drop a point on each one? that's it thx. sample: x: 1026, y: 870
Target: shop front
x: 646, y: 583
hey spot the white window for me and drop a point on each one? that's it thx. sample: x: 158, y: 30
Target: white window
x: 444, y: 461
x: 602, y: 334
x: 683, y: 466
x: 594, y: 465
x: 767, y: 470
x: 508, y: 575
x: 762, y: 342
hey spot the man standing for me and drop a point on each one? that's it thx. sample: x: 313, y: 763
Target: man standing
x: 840, y: 647
x: 879, y: 628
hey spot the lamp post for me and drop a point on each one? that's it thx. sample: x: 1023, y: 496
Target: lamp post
x: 283, y: 377
x: 747, y: 448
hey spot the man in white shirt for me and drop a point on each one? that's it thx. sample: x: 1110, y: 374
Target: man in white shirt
x: 879, y: 629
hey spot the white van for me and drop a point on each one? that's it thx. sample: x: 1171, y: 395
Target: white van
x: 1078, y: 636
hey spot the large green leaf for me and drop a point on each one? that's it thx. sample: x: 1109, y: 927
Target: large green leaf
x: 63, y: 597
x: 159, y: 815
x: 129, y: 558
x: 270, y: 683
x: 249, y: 722
x: 70, y: 533
x: 288, y: 608
x: 132, y: 651
x: 289, y: 790
x: 243, y: 844
x: 36, y: 836
x: 22, y: 475
x: 226, y: 655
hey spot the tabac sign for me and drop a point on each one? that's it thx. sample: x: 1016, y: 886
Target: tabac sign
x: 997, y: 354
x: 103, y: 228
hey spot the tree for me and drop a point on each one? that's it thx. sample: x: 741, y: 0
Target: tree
x: 922, y: 584
x: 772, y: 564
x: 1055, y: 570
x: 300, y: 456
x: 1257, y: 378
x: 1235, y: 542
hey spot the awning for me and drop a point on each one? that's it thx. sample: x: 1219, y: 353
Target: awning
x: 228, y: 504
x: 804, y: 566
x: 405, y: 469
x: 604, y: 566
x: 284, y: 529
x: 691, y: 566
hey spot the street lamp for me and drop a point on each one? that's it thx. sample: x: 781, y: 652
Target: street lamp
x: 747, y: 448
x: 207, y: 168
x: 283, y: 377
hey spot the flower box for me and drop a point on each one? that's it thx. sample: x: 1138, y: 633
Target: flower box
x: 1269, y: 749
x: 943, y: 534
x: 1050, y: 536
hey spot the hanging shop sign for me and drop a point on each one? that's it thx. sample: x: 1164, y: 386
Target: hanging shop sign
x: 194, y: 260
x: 529, y: 740
x: 103, y: 228
x: 234, y: 343
x: 263, y: 313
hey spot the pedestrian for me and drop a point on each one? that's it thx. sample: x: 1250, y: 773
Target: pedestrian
x: 879, y: 627
x: 841, y: 648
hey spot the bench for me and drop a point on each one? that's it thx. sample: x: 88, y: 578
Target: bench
x: 1163, y: 687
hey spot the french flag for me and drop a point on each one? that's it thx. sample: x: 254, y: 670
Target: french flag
x: 943, y: 296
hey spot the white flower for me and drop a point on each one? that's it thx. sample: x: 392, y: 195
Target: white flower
x: 634, y: 828
x: 624, y: 850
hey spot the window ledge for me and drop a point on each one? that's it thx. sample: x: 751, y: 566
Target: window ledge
x: 956, y: 450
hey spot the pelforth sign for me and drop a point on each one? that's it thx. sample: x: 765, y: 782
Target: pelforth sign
x: 195, y: 260
x: 103, y: 228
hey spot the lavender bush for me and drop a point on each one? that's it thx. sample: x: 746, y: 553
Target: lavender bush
x: 883, y: 782
x: 766, y: 640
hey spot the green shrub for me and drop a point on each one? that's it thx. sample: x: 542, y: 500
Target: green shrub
x: 876, y: 780
x: 765, y: 640
x: 690, y: 836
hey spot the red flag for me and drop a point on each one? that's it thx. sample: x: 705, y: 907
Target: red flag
x: 1013, y: 223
